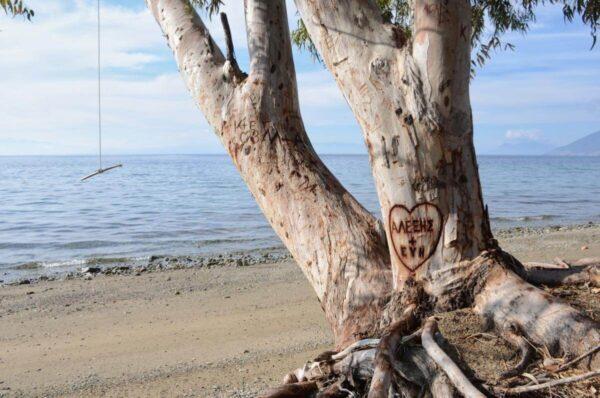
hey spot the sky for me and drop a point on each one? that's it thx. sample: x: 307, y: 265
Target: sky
x: 546, y: 93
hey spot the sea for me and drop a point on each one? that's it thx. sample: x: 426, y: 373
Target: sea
x: 198, y: 205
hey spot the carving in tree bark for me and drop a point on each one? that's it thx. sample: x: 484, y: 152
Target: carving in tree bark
x: 334, y: 240
x: 434, y: 250
x: 412, y: 103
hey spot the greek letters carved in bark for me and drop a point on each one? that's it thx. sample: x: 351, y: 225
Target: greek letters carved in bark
x: 415, y: 233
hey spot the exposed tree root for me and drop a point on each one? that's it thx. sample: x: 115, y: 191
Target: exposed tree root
x: 408, y: 361
x: 515, y: 337
x: 507, y: 302
x: 542, y: 386
x: 456, y: 376
x: 383, y: 373
x: 579, y: 358
x: 585, y: 270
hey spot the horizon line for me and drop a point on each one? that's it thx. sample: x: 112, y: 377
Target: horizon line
x: 225, y: 154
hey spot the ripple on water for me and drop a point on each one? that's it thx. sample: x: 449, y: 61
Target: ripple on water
x: 199, y: 204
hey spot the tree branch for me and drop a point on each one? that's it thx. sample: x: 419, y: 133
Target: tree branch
x: 557, y: 277
x: 228, y: 39
x: 270, y: 48
x: 442, y: 51
x: 232, y: 69
x: 198, y: 57
x: 553, y: 383
x: 336, y: 242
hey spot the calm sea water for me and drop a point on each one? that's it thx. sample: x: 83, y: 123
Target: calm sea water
x: 182, y: 205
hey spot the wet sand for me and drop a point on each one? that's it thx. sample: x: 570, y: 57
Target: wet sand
x: 210, y: 332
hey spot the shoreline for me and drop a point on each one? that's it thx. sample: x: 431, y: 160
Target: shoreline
x: 210, y: 331
x: 34, y: 272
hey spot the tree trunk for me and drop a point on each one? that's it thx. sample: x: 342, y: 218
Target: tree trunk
x: 412, y: 103
x: 434, y: 250
x: 335, y: 241
x: 411, y: 99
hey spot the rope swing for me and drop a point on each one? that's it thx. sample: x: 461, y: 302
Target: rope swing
x: 100, y: 169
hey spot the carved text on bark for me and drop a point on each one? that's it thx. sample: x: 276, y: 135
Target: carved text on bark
x: 415, y: 233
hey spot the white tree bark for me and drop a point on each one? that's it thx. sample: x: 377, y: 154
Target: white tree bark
x: 335, y: 241
x: 411, y: 100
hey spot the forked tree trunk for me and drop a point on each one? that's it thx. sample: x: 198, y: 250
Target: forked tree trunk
x: 411, y: 99
x: 435, y: 250
x: 335, y: 241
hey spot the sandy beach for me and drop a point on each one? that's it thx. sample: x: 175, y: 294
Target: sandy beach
x: 210, y: 332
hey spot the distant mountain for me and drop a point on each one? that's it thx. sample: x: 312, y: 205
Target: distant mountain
x: 586, y: 146
x: 522, y: 147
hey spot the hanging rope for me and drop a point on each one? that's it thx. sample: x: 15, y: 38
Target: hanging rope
x: 99, y: 66
x: 99, y: 97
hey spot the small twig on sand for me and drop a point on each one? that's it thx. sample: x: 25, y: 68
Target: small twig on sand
x: 533, y: 264
x: 475, y: 335
x: 456, y: 376
x: 579, y: 358
x: 553, y: 383
x: 561, y: 262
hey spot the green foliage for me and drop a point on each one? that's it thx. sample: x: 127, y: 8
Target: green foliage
x: 302, y: 39
x: 491, y: 20
x: 16, y: 7
x: 211, y: 6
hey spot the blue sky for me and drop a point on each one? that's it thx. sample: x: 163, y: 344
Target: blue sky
x: 545, y: 93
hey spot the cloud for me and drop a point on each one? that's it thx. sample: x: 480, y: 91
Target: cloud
x: 62, y: 39
x: 526, y: 135
x: 49, y: 89
x: 48, y: 70
x: 49, y: 92
x: 150, y: 115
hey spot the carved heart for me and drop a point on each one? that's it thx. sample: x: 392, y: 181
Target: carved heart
x: 415, y: 233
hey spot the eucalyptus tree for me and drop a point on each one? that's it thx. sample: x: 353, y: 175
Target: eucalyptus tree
x: 404, y: 68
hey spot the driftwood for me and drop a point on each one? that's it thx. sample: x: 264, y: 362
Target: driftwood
x: 582, y: 262
x: 559, y: 263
